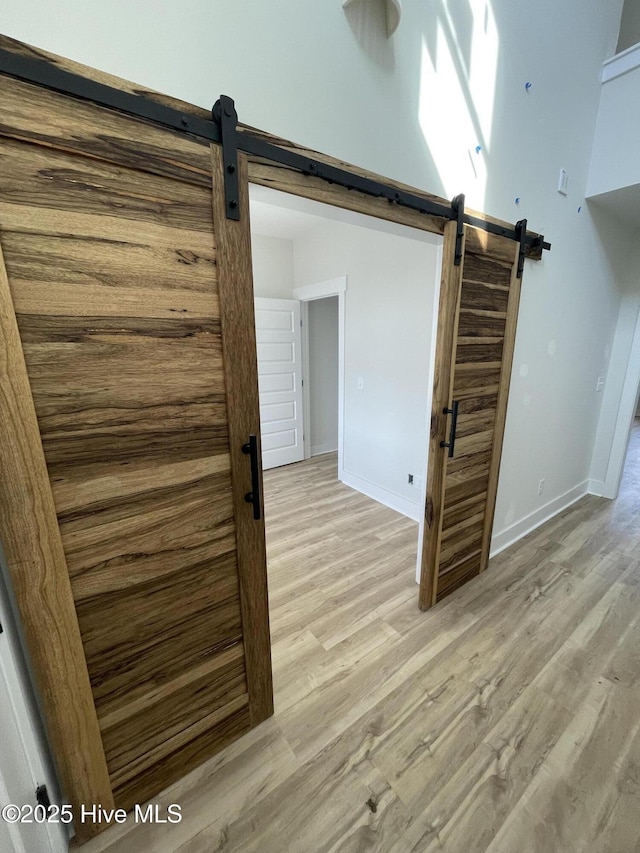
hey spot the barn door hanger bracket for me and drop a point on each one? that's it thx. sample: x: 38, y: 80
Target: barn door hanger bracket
x: 223, y: 130
x: 225, y: 115
x: 457, y: 206
x: 521, y: 234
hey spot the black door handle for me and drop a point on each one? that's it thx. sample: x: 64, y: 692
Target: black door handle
x: 253, y: 497
x: 453, y: 411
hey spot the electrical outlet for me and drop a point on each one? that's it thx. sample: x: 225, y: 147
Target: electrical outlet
x: 417, y: 482
x: 410, y: 479
x: 600, y: 383
x: 541, y: 487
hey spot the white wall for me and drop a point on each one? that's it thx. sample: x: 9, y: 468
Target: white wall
x: 272, y: 259
x: 415, y: 107
x: 620, y: 352
x: 620, y: 402
x: 566, y: 331
x: 389, y: 315
x: 629, y: 25
x: 24, y: 759
x: 323, y: 374
x: 614, y: 196
x: 615, y: 163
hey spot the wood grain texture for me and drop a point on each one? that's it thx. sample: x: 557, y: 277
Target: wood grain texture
x: 56, y: 178
x: 501, y: 408
x: 477, y: 354
x: 448, y: 312
x: 101, y: 134
x: 35, y: 557
x: 113, y: 272
x: 268, y: 173
x: 503, y: 720
x: 241, y: 376
x: 179, y: 754
x: 141, y: 205
x: 279, y: 177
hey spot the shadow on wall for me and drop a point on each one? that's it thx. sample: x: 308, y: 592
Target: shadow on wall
x: 457, y: 45
x: 368, y: 22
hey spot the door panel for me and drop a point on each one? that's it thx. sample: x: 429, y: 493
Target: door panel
x: 132, y: 308
x: 280, y: 380
x: 478, y: 312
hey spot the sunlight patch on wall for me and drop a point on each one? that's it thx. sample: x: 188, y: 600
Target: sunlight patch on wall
x: 456, y: 101
x: 482, y: 63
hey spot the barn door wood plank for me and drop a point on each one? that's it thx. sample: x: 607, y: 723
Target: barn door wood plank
x: 235, y: 283
x: 448, y: 312
x: 501, y: 407
x: 275, y: 174
x: 38, y: 570
x: 474, y: 356
x: 140, y: 404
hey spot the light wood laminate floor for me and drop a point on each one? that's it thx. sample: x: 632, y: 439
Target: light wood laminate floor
x: 506, y: 719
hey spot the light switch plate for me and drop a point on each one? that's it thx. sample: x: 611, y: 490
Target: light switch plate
x: 563, y: 182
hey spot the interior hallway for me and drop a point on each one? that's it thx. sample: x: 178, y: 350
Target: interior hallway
x: 504, y: 719
x: 630, y: 485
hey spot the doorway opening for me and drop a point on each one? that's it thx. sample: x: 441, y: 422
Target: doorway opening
x: 346, y: 314
x: 624, y: 410
x: 630, y: 480
x: 323, y: 368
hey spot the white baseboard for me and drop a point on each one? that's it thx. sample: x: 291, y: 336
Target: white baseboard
x: 530, y: 522
x: 599, y: 488
x: 383, y: 496
x: 319, y: 449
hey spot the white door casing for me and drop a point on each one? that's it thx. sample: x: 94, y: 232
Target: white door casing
x: 308, y: 293
x: 279, y: 345
x: 17, y: 786
x: 22, y: 748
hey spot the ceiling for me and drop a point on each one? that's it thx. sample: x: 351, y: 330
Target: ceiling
x: 271, y: 220
x: 287, y: 216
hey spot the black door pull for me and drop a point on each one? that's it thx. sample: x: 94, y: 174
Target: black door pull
x: 253, y: 497
x: 453, y: 411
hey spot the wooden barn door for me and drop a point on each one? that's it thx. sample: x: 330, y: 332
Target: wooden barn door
x: 474, y: 352
x: 128, y: 387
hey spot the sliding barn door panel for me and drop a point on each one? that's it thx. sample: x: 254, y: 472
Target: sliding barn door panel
x: 115, y: 270
x: 475, y: 351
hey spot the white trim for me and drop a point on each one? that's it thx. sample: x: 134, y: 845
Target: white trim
x: 321, y: 289
x: 535, y: 519
x: 319, y: 449
x: 30, y: 747
x: 597, y: 488
x: 621, y: 63
x: 308, y: 293
x: 624, y: 421
x: 306, y: 380
x: 381, y: 495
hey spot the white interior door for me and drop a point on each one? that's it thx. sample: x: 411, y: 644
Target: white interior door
x: 279, y: 346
